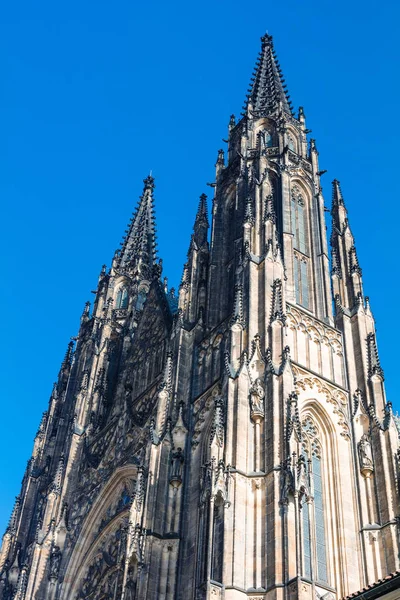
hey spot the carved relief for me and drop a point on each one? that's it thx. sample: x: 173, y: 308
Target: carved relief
x: 334, y: 396
x: 104, y: 576
x: 257, y: 394
x: 201, y: 408
x: 316, y: 345
x: 365, y: 455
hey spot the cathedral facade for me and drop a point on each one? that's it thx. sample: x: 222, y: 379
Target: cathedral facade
x: 232, y: 441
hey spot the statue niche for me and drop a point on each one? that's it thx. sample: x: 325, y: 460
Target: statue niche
x: 257, y: 394
x: 365, y: 455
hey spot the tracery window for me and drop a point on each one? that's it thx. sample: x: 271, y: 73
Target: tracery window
x: 298, y: 221
x: 313, y: 514
x: 218, y: 540
x: 122, y: 298
x: 141, y: 299
x: 291, y: 143
x: 267, y: 138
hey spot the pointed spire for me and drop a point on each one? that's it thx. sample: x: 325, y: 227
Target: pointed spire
x: 337, y: 198
x: 267, y: 92
x: 201, y: 223
x: 374, y: 365
x: 139, y: 244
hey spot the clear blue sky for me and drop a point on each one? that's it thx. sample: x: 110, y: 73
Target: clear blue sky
x: 95, y: 94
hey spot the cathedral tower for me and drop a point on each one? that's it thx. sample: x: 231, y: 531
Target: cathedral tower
x: 233, y: 441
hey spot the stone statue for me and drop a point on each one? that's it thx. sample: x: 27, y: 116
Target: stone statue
x: 365, y: 453
x: 55, y: 560
x: 257, y: 398
x: 177, y: 464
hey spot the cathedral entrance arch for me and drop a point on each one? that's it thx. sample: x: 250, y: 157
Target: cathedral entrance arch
x: 97, y: 567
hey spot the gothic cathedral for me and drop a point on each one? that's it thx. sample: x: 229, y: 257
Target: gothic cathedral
x: 231, y: 442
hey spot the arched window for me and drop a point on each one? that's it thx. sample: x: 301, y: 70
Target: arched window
x: 218, y: 540
x: 314, y: 529
x: 268, y: 142
x: 300, y: 272
x: 122, y: 298
x: 298, y: 221
x: 291, y: 143
x: 141, y: 299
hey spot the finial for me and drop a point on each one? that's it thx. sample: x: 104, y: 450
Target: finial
x: 149, y: 182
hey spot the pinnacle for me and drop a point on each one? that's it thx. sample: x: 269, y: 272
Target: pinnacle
x: 201, y: 223
x: 268, y: 90
x: 202, y: 209
x: 337, y: 198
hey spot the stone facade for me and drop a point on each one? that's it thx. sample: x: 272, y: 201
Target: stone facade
x: 232, y: 442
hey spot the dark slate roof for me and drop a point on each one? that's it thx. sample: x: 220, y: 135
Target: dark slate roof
x: 378, y: 589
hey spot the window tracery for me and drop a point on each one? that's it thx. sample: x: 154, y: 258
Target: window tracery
x: 301, y: 280
x: 313, y: 514
x: 300, y: 244
x: 122, y: 298
x: 291, y: 143
x: 266, y: 137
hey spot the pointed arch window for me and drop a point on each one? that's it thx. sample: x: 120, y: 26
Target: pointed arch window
x: 313, y: 513
x: 291, y: 144
x: 298, y: 221
x: 218, y: 540
x: 141, y: 299
x: 122, y: 298
x: 298, y: 224
x: 267, y: 138
x: 301, y: 280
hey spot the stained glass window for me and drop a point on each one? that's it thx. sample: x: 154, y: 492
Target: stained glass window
x: 304, y: 284
x: 296, y: 279
x: 301, y: 228
x: 314, y: 537
x: 267, y: 139
x: 122, y: 298
x: 306, y: 540
x: 320, y: 543
x: 298, y: 223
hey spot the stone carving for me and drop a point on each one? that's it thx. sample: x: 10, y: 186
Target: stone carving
x: 177, y: 465
x: 365, y: 455
x: 104, y: 575
x: 55, y: 561
x: 257, y: 394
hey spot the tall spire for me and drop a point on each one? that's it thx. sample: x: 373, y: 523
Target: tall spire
x: 346, y: 270
x: 267, y: 91
x: 139, y: 244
